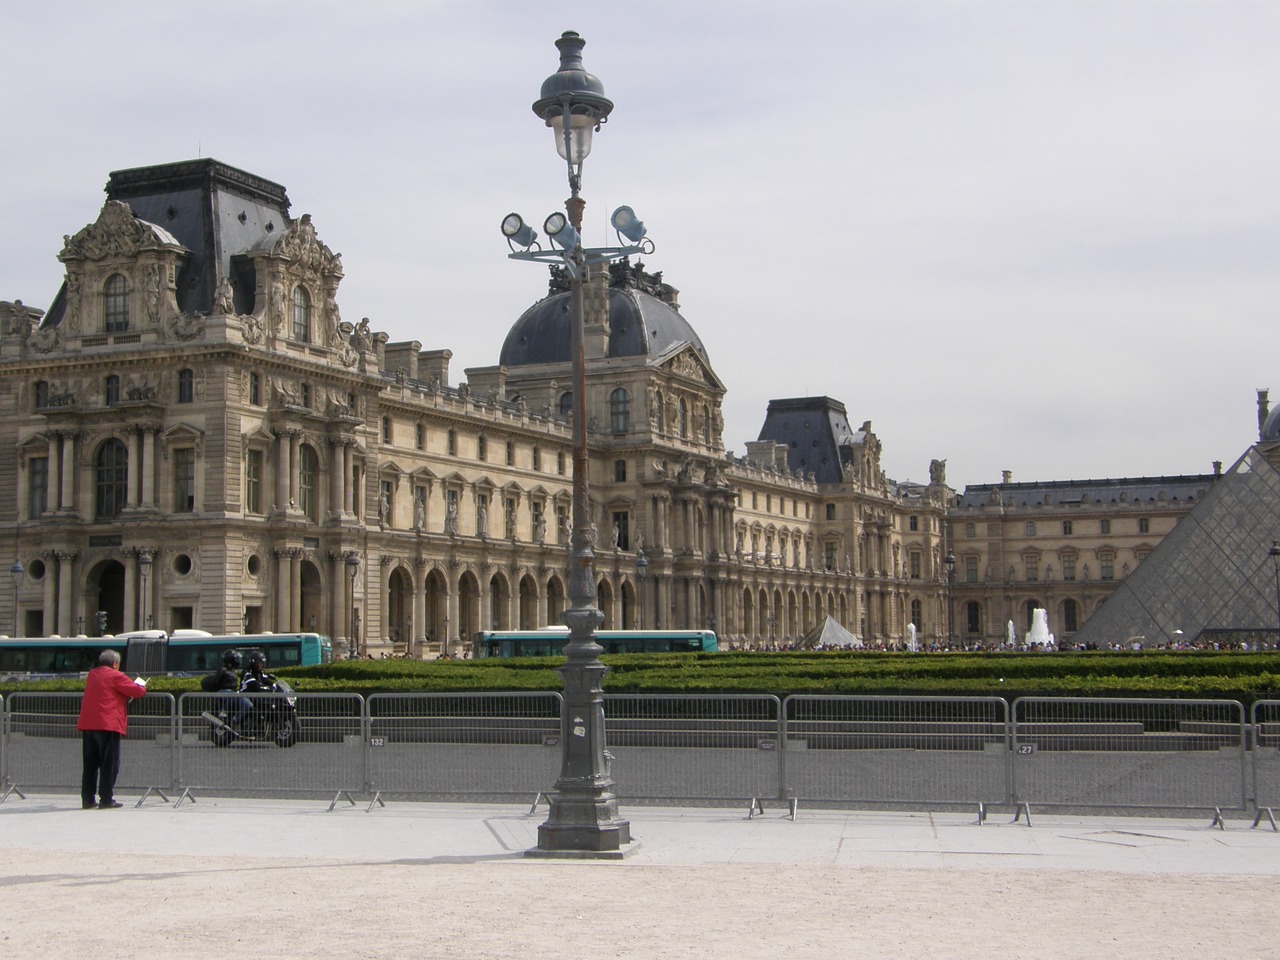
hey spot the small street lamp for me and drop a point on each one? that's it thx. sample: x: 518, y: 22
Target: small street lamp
x: 144, y: 568
x: 950, y: 562
x: 1274, y: 554
x: 353, y: 566
x: 642, y: 567
x: 584, y: 810
x: 16, y: 571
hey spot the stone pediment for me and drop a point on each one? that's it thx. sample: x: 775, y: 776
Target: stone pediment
x: 684, y: 361
x: 117, y: 233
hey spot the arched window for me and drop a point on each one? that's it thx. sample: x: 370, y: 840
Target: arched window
x: 308, y: 483
x: 566, y: 404
x: 301, y: 314
x: 111, y: 391
x: 684, y: 419
x: 111, y: 470
x: 619, y: 407
x: 115, y: 304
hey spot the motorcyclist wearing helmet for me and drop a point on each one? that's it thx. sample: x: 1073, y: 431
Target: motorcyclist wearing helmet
x: 255, y: 679
x: 228, y: 684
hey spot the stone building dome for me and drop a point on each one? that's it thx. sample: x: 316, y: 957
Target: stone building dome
x: 644, y: 320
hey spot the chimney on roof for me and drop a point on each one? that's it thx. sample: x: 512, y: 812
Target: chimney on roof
x: 1263, y: 409
x: 1217, y: 468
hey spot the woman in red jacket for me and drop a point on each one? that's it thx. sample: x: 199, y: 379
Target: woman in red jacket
x: 103, y: 721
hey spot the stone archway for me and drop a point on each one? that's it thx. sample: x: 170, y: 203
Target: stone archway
x: 104, y: 590
x: 312, y: 605
x: 555, y: 601
x: 528, y: 603
x: 436, y: 602
x: 397, y: 615
x: 468, y: 609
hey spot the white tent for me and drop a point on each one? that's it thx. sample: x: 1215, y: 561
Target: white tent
x: 829, y: 633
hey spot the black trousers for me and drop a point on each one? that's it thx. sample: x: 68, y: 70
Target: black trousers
x: 101, y: 750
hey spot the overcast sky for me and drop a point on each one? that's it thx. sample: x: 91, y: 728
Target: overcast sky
x: 1038, y: 236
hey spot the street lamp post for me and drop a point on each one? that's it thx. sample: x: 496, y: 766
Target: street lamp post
x: 584, y: 817
x: 144, y: 568
x: 16, y: 571
x: 950, y: 562
x: 1274, y: 554
x: 642, y: 567
x: 353, y: 566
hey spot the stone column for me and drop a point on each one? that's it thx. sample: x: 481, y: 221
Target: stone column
x: 282, y: 471
x: 65, y: 625
x: 131, y: 594
x: 150, y: 438
x: 50, y: 597
x: 134, y: 473
x: 336, y: 475
x: 55, y: 473
x: 295, y: 589
x: 295, y: 469
x: 284, y: 582
x: 68, y: 493
x: 419, y: 602
x: 339, y: 612
x: 348, y: 480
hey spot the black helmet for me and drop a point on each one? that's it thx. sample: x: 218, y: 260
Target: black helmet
x: 231, y: 659
x: 257, y: 659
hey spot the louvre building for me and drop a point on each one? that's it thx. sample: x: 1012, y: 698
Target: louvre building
x: 194, y: 436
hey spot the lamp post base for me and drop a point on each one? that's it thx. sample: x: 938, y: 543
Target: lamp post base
x: 584, y: 828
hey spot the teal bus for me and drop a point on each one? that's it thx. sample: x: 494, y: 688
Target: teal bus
x: 155, y: 651
x: 549, y: 642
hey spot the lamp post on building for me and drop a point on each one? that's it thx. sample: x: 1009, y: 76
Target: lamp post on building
x: 949, y: 561
x: 584, y: 811
x: 353, y: 567
x: 16, y: 571
x: 144, y: 569
x: 642, y: 567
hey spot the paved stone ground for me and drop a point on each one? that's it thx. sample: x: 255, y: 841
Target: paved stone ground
x: 235, y: 877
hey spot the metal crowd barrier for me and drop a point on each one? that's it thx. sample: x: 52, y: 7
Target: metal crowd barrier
x: 1265, y: 725
x: 454, y: 745
x: 325, y: 757
x: 43, y: 747
x: 896, y: 751
x: 905, y: 752
x: 694, y: 747
x: 1129, y: 754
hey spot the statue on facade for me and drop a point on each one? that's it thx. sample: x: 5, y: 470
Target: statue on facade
x: 482, y: 519
x: 419, y: 513
x: 451, y: 519
x: 384, y: 508
x: 540, y: 528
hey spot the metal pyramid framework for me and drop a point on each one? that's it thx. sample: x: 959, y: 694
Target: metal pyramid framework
x: 1211, y: 577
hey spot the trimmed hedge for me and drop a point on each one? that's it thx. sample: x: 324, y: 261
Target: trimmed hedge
x: 1188, y: 674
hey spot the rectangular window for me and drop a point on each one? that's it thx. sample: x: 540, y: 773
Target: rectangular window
x: 386, y: 429
x: 1107, y: 568
x: 914, y: 560
x: 1104, y: 526
x: 619, y: 471
x: 1033, y: 568
x: 970, y: 530
x: 831, y: 511
x: 255, y: 389
x: 419, y: 436
x: 37, y: 486
x: 829, y: 556
x: 186, y: 386
x: 913, y: 523
x: 562, y: 524
x: 560, y: 464
x: 1066, y: 528
x: 621, y: 530
x: 970, y: 569
x: 511, y: 454
x: 184, y: 480
x: 1068, y: 567
x: 537, y: 458
x: 253, y: 482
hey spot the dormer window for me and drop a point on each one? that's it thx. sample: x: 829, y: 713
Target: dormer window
x: 301, y: 314
x: 115, y: 304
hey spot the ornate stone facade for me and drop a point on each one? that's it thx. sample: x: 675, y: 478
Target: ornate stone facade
x: 196, y: 438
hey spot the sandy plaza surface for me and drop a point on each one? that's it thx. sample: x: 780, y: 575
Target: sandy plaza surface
x: 234, y: 877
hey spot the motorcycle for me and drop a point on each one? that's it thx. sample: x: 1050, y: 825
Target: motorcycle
x: 274, y: 717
